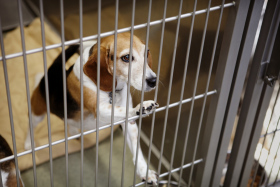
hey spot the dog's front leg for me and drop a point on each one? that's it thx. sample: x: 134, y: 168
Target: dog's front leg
x: 132, y: 136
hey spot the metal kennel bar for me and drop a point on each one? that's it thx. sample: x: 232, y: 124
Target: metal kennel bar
x: 27, y: 90
x: 169, y: 91
x: 46, y: 89
x: 10, y: 107
x: 142, y: 92
x: 156, y: 91
x: 128, y: 88
x: 224, y: 76
x: 255, y: 102
x: 104, y: 127
x: 175, y: 170
x: 113, y: 93
x: 81, y: 135
x: 229, y: 79
x: 98, y: 90
x: 102, y: 35
x: 64, y: 92
x: 237, y: 88
x: 182, y: 91
x: 82, y: 91
x: 207, y: 85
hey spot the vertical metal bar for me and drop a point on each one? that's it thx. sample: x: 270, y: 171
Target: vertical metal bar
x: 255, y: 102
x: 27, y: 91
x: 182, y: 92
x: 236, y: 90
x: 64, y: 90
x: 10, y: 106
x: 114, y: 91
x: 98, y: 91
x: 142, y: 92
x: 82, y: 91
x: 170, y: 85
x: 206, y: 90
x: 156, y: 91
x: 128, y: 89
x: 47, y: 89
x: 263, y: 142
x: 226, y: 65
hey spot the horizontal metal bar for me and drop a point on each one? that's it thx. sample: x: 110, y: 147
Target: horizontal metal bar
x: 175, y: 170
x: 105, y: 127
x: 269, y: 133
x: 102, y: 35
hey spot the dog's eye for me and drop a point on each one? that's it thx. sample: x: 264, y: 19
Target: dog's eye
x: 148, y: 51
x: 125, y: 58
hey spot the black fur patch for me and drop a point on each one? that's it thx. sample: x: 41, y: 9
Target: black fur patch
x: 111, y: 97
x: 90, y: 50
x: 55, y: 81
x: 5, y: 151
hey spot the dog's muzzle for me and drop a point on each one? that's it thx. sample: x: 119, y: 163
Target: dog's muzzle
x: 152, y: 82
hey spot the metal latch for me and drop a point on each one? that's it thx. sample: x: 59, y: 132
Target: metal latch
x: 270, y: 70
x: 270, y: 80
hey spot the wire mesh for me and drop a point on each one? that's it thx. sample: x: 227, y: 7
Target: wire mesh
x: 267, y: 152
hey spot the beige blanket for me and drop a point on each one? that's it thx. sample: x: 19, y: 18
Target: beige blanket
x: 12, y: 44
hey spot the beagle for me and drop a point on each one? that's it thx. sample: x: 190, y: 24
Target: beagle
x: 8, y: 168
x: 38, y: 102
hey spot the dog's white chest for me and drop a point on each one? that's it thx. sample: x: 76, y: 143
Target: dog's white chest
x: 90, y: 121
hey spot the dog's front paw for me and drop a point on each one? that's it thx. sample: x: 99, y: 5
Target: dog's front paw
x: 148, y: 106
x: 152, y: 177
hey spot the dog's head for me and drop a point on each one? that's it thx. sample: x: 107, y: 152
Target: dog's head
x: 122, y: 63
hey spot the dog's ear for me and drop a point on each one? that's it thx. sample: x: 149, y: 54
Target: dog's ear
x: 90, y: 69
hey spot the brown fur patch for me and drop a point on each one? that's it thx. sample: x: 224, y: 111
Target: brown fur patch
x: 12, y: 179
x: 73, y: 85
x: 38, y: 102
x: 90, y: 69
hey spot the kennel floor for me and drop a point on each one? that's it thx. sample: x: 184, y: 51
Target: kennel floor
x: 43, y: 171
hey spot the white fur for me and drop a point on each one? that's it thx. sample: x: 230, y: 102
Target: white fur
x: 4, y: 176
x: 35, y: 121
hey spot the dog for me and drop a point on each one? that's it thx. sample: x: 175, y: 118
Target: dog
x: 90, y: 55
x: 8, y: 168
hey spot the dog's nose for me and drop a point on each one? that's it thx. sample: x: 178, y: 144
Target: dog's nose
x: 152, y: 82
